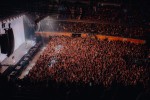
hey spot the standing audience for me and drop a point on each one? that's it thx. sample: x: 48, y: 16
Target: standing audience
x: 87, y: 60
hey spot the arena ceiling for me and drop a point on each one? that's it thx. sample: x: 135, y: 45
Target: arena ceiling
x: 11, y: 7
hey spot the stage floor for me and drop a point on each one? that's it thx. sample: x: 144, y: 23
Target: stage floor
x: 17, y: 55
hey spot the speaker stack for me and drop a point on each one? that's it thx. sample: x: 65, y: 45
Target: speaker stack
x: 7, y: 42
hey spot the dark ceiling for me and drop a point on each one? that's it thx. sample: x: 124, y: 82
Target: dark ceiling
x: 10, y: 7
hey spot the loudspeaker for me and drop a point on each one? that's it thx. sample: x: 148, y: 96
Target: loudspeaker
x: 7, y: 42
x: 11, y: 41
x: 4, y: 44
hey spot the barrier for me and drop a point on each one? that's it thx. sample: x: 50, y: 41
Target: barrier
x: 100, y: 37
x: 47, y: 34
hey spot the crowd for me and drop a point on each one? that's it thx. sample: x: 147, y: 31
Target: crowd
x: 98, y: 28
x: 90, y: 61
x: 102, y: 12
x: 109, y: 29
x: 115, y: 20
x: 106, y: 20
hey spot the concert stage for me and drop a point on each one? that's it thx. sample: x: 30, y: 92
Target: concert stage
x: 17, y: 55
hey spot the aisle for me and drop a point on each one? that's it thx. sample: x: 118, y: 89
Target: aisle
x: 31, y: 64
